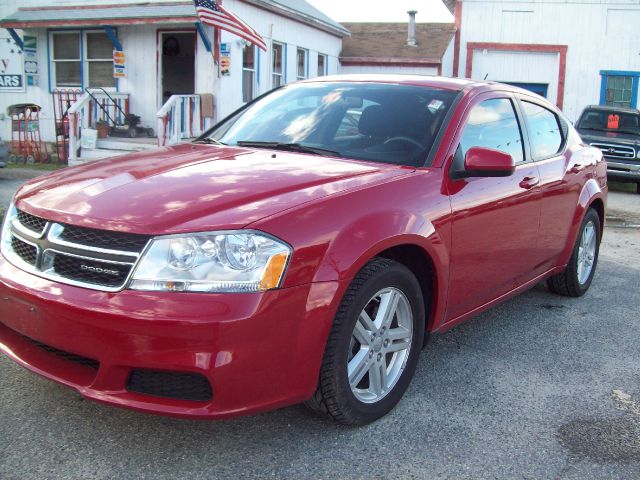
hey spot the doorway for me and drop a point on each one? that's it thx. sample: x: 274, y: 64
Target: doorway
x: 177, y: 53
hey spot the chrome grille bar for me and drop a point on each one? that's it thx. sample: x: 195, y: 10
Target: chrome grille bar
x: 69, y: 262
x: 616, y: 151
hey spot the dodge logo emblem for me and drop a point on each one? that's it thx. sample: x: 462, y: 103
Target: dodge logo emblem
x: 106, y: 271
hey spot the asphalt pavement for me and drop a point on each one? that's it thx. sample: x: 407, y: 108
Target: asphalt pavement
x: 539, y: 387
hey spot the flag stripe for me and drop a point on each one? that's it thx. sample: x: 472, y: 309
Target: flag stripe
x: 213, y: 13
x: 241, y: 33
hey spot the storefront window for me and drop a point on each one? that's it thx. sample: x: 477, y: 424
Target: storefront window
x: 322, y: 64
x: 301, y: 72
x: 66, y: 59
x: 81, y: 59
x: 619, y: 90
x: 277, y: 65
x: 248, y: 73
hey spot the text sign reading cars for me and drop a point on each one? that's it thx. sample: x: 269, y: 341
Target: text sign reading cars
x: 11, y: 65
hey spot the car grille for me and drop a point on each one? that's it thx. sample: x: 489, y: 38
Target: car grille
x: 129, y: 242
x: 24, y: 250
x: 180, y: 386
x: 33, y: 223
x: 616, y: 151
x: 86, y: 257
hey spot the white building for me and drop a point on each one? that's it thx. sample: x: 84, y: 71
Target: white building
x: 575, y: 53
x: 168, y: 62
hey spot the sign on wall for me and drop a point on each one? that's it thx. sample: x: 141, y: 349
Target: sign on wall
x: 225, y: 59
x: 11, y: 65
x: 119, y: 64
x: 31, y: 60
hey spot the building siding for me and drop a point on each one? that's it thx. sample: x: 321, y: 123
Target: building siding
x: 600, y: 35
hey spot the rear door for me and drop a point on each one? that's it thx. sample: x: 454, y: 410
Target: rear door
x: 560, y: 179
x: 494, y: 220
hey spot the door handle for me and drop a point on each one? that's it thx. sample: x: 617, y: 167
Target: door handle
x: 529, y: 182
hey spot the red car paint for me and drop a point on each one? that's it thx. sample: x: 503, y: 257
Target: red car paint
x: 484, y: 239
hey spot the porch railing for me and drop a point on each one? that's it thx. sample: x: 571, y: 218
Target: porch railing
x: 86, y: 112
x: 179, y: 118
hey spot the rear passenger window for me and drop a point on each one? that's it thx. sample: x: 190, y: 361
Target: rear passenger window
x: 544, y: 130
x: 493, y: 124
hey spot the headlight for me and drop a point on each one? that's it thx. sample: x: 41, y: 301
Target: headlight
x: 212, y: 262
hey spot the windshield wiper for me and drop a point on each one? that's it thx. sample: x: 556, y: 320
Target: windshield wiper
x: 208, y: 141
x: 289, y: 147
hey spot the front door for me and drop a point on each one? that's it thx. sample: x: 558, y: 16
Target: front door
x: 494, y: 220
x: 177, y: 53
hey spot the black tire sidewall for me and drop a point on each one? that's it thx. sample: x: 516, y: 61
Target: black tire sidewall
x: 397, y: 276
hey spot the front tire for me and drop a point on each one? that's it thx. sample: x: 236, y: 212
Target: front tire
x: 576, y: 278
x: 374, y: 345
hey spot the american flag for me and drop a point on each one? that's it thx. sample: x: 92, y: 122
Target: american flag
x: 212, y: 13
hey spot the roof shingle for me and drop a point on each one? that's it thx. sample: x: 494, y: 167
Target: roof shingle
x: 389, y: 41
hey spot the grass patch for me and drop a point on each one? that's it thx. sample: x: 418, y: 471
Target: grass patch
x: 622, y: 186
x: 46, y: 167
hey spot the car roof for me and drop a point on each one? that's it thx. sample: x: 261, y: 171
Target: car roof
x: 609, y: 108
x: 419, y: 80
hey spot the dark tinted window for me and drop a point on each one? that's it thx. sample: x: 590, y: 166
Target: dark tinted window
x: 369, y: 121
x: 610, y: 121
x: 493, y: 124
x: 544, y: 130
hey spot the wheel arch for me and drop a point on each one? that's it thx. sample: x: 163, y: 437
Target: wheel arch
x: 420, y: 263
x: 591, y: 196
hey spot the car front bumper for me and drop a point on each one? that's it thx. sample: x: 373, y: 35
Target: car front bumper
x: 623, y: 171
x: 257, y: 351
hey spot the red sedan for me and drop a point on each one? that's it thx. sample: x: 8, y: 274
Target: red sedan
x: 302, y: 250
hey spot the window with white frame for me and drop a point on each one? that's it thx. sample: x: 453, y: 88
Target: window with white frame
x: 248, y: 73
x: 301, y: 71
x: 66, y: 59
x: 81, y: 59
x: 277, y: 64
x: 322, y: 64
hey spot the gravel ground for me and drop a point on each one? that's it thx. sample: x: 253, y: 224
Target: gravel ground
x: 539, y: 387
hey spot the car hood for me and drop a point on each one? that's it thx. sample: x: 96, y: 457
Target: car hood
x: 192, y: 187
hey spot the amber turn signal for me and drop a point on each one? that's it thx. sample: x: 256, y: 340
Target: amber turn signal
x: 274, y: 271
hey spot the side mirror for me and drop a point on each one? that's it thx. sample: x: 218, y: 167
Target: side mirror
x: 487, y: 162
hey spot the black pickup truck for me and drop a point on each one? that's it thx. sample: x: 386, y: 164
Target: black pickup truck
x: 615, y: 131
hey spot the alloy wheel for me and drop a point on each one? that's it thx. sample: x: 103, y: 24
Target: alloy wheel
x: 586, y: 252
x: 380, y: 345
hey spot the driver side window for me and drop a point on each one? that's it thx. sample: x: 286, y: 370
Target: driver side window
x: 493, y: 124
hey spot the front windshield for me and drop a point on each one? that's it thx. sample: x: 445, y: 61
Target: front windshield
x: 369, y: 121
x: 610, y: 121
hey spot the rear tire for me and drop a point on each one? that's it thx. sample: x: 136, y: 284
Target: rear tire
x: 575, y: 280
x: 373, y: 347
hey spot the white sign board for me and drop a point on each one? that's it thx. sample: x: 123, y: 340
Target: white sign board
x: 89, y: 138
x: 11, y: 65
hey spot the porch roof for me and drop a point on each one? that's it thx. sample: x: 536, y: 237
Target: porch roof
x: 154, y: 12
x: 85, y: 15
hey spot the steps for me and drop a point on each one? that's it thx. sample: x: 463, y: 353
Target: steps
x: 114, y: 146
